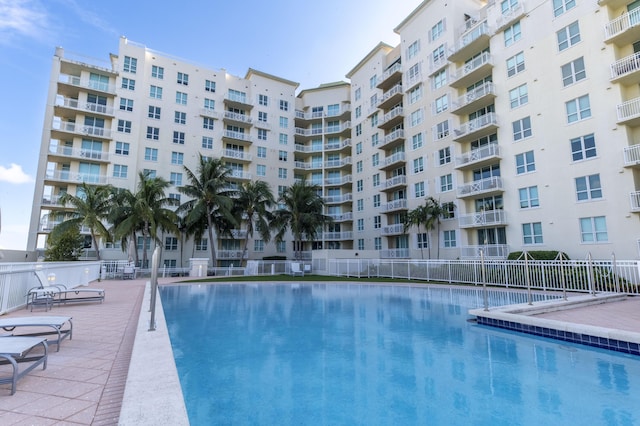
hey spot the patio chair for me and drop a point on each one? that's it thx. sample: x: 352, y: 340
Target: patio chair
x: 60, y: 294
x: 14, y: 350
x: 296, y: 270
x: 61, y: 327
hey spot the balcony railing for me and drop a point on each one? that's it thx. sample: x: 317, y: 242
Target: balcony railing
x: 333, y: 146
x: 337, y: 199
x: 237, y: 155
x: 243, y: 118
x: 337, y: 129
x: 85, y: 83
x: 337, y: 163
x: 492, y: 251
x: 393, y: 136
x: 395, y: 90
x: 477, y: 155
x: 493, y: 183
x: 634, y: 198
x: 622, y: 23
x: 395, y: 205
x: 473, y: 96
x: 337, y: 235
x: 71, y: 127
x: 471, y: 66
x: 396, y: 229
x: 338, y: 181
x: 510, y: 15
x: 86, y: 106
x: 208, y: 112
x: 232, y: 254
x: 625, y: 66
x: 341, y: 217
x: 53, y: 200
x: 472, y: 126
x: 83, y: 154
x: 395, y: 68
x: 398, y: 156
x: 238, y: 136
x: 632, y: 155
x: 239, y: 174
x: 391, y: 115
x: 395, y: 181
x: 469, y: 37
x: 63, y: 175
x: 479, y: 219
x: 629, y: 110
x: 400, y: 253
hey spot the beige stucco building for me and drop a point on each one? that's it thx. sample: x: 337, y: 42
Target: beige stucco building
x: 522, y: 117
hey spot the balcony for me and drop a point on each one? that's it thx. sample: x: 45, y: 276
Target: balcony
x: 240, y: 175
x: 239, y: 101
x: 614, y: 4
x: 478, y: 157
x: 344, y: 127
x: 391, y: 75
x: 208, y: 112
x: 338, y: 199
x: 337, y: 146
x: 476, y: 128
x: 629, y: 112
x: 392, y: 118
x: 239, y: 234
x: 237, y: 136
x: 307, y: 133
x: 391, y: 97
x: 397, y: 229
x: 52, y: 201
x: 302, y: 165
x: 84, y: 107
x: 472, y: 71
x: 471, y: 41
x: 623, y: 30
x: 400, y: 253
x: 634, y: 198
x: 85, y: 83
x: 632, y: 156
x: 232, y: 254
x: 626, y: 70
x: 393, y: 139
x: 491, y: 251
x: 489, y: 186
x: 479, y: 97
x: 78, y: 178
x: 509, y: 16
x: 394, y: 206
x: 393, y: 161
x: 337, y: 236
x: 79, y: 154
x: 342, y: 180
x: 333, y: 164
x: 342, y: 111
x: 341, y: 217
x: 394, y: 183
x: 236, y: 155
x: 234, y: 117
x: 308, y: 116
x: 80, y: 129
x: 483, y: 219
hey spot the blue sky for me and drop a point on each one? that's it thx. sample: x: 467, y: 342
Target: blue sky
x: 304, y: 41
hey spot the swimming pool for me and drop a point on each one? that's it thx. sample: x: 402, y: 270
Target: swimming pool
x: 371, y: 354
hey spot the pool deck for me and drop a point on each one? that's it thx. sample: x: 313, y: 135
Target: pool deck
x: 84, y: 383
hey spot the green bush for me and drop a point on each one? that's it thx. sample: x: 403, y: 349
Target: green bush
x: 274, y: 258
x: 537, y: 255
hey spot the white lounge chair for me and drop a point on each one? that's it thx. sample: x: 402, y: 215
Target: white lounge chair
x: 14, y: 350
x: 62, y: 327
x: 48, y: 294
x: 296, y: 269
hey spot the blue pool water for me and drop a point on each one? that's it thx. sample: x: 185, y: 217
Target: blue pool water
x: 381, y: 355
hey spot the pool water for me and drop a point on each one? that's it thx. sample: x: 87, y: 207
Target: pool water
x: 296, y: 354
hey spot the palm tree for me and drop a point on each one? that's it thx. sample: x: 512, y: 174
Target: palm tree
x: 91, y: 205
x: 418, y: 217
x: 210, y: 198
x: 251, y: 205
x: 301, y: 212
x: 428, y: 216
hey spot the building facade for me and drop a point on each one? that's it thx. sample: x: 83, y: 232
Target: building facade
x: 519, y: 117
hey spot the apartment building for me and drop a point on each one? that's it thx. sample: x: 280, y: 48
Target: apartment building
x: 522, y: 118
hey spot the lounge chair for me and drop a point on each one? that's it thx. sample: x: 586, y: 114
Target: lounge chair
x: 296, y: 270
x: 14, y: 350
x: 49, y: 294
x: 53, y: 322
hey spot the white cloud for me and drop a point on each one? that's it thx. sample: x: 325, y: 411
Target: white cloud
x: 22, y: 18
x: 14, y: 174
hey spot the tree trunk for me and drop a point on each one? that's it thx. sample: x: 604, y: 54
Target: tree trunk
x: 212, y: 248
x: 95, y: 244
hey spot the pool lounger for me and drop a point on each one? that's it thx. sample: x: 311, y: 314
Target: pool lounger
x: 48, y: 295
x: 17, y: 349
x: 56, y: 323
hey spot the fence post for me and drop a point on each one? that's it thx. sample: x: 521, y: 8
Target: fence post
x: 590, y: 275
x: 562, y: 277
x: 154, y: 287
x: 613, y: 271
x: 485, y: 295
x: 526, y: 277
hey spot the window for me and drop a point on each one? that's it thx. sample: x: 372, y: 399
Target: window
x: 413, y: 49
x: 180, y: 117
x: 155, y: 92
x: 373, y: 81
x: 175, y: 179
x: 207, y: 123
x: 529, y: 197
x: 573, y: 71
x: 449, y: 210
x: 124, y: 126
x: 583, y: 147
x: 359, y: 166
x: 416, y: 141
x: 284, y: 105
x: 439, y: 79
x: 360, y: 225
x: 418, y: 165
x: 359, y: 148
x: 174, y: 196
x: 532, y: 233
x: 283, y: 139
x: 449, y: 239
x: 376, y: 203
x: 512, y: 34
x: 506, y: 6
x: 519, y: 96
x: 282, y: 173
x: 415, y: 94
x: 360, y: 243
x: 444, y: 156
x: 416, y: 117
x: 358, y: 111
x: 358, y: 94
x: 358, y: 129
x: 374, y: 120
x: 377, y: 243
x: 515, y: 64
x: 263, y: 100
x: 177, y: 158
x: 202, y: 244
x: 151, y: 154
x: 258, y: 246
x: 521, y: 128
x: 441, y: 104
x: 210, y: 86
x: 281, y: 246
x: 360, y: 204
x: 153, y: 133
x: 414, y: 72
x: 120, y: 171
x: 359, y: 185
x: 130, y: 64
x: 261, y: 170
x: 568, y: 36
x: 262, y: 116
x: 588, y: 187
x: 561, y: 6
x: 446, y: 183
x: 207, y: 142
x: 525, y: 163
x: 376, y: 180
x: 128, y: 83
x: 284, y: 122
x: 375, y: 139
x: 282, y: 155
x: 437, y: 30
x: 157, y: 72
x: 154, y: 112
x: 122, y: 148
x: 593, y: 229
x: 262, y: 134
x: 170, y: 243
x: 209, y: 104
x: 578, y: 109
x: 183, y: 79
x: 149, y: 172
x: 181, y: 98
x: 262, y: 152
x: 178, y: 137
x: 419, y: 190
x: 126, y: 104
x: 422, y: 240
x: 441, y: 130
x: 375, y: 159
